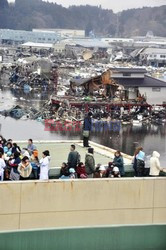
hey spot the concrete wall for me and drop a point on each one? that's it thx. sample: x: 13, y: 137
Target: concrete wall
x: 27, y: 205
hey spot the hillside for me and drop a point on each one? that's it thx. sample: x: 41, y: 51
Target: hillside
x: 31, y: 14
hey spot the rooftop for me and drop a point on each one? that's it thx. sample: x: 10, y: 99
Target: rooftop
x: 147, y: 81
x: 129, y: 70
x: 59, y: 151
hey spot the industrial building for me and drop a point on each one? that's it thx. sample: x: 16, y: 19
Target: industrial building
x: 64, y: 33
x: 21, y: 36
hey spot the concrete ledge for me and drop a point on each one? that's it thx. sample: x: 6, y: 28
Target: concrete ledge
x: 57, y: 203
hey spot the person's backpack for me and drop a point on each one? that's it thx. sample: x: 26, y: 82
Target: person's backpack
x: 78, y: 158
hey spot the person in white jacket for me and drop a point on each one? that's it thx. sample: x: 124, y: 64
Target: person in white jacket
x: 155, y: 167
x: 2, y: 166
x: 44, y: 165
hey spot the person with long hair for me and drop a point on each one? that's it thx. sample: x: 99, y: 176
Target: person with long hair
x: 118, y: 162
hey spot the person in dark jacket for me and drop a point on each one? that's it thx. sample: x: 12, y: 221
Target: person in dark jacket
x: 16, y: 148
x: 134, y: 161
x: 87, y: 127
x: 64, y: 172
x: 13, y: 164
x: 90, y: 163
x: 118, y: 162
x: 73, y: 157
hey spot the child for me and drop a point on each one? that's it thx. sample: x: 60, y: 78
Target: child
x: 115, y: 173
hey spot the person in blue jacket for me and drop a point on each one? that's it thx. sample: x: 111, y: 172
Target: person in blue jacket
x: 118, y: 162
x: 87, y: 127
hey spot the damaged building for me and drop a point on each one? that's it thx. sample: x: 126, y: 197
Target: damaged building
x: 138, y: 84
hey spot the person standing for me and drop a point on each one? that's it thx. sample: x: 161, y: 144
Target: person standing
x: 2, y: 166
x: 35, y: 164
x: 90, y: 163
x: 64, y: 171
x: 140, y: 162
x: 155, y: 167
x: 13, y: 164
x: 118, y: 162
x: 31, y: 147
x: 44, y: 165
x: 25, y: 169
x: 87, y: 127
x: 73, y: 157
x: 134, y: 162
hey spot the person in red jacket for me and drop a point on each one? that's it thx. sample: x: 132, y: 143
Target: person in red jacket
x: 80, y: 170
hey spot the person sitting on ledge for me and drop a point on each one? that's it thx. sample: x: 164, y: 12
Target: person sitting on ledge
x: 73, y: 174
x: 115, y: 173
x: 64, y: 172
x: 100, y: 172
x: 81, y: 172
x: 118, y: 162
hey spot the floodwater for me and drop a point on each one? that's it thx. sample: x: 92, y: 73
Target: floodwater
x: 151, y: 137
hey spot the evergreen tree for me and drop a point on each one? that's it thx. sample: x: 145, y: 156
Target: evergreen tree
x: 4, y: 4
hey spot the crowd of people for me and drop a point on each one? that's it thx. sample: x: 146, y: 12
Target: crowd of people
x: 24, y: 164
x: 74, y: 168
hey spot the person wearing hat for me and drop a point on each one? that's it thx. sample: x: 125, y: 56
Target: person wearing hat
x: 100, y: 171
x: 115, y: 173
x: 44, y: 165
x: 87, y: 127
x: 73, y: 174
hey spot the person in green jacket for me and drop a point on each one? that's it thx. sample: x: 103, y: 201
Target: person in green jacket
x: 118, y: 162
x: 90, y: 163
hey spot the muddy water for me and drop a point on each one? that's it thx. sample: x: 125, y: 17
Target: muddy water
x: 151, y: 137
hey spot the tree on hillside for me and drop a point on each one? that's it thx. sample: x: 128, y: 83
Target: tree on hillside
x: 4, y: 4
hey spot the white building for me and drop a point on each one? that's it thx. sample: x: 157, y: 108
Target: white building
x: 59, y: 47
x: 64, y: 33
x: 154, y: 56
x: 135, y: 80
x: 22, y: 36
x: 118, y: 40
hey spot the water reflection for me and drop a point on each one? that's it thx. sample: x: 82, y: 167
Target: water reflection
x: 151, y: 137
